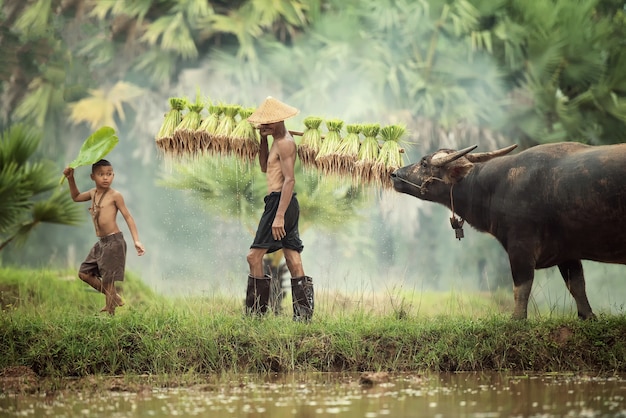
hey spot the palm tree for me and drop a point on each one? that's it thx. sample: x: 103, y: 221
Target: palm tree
x: 26, y: 50
x: 563, y: 69
x: 24, y: 186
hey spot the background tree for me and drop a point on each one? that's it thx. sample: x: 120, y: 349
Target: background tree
x: 24, y: 186
x: 230, y: 189
x: 456, y: 72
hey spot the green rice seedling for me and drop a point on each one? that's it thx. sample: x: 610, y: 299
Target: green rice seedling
x: 326, y: 158
x: 225, y: 129
x: 311, y: 142
x: 348, y: 150
x: 390, y: 154
x: 185, y: 141
x: 208, y: 127
x: 172, y: 119
x: 368, y: 153
x: 244, y: 141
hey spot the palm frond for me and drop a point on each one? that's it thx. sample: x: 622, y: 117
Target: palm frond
x: 36, y: 176
x: 103, y: 10
x: 196, y: 12
x: 18, y: 144
x: 243, y: 26
x: 21, y: 183
x: 229, y: 189
x: 14, y: 199
x: 59, y: 209
x: 33, y: 22
x: 173, y: 33
x: 161, y: 65
x: 268, y: 12
x: 101, y: 107
x: 100, y: 50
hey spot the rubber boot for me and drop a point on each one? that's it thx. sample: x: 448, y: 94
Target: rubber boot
x: 303, y: 298
x: 258, y: 295
x: 96, y: 283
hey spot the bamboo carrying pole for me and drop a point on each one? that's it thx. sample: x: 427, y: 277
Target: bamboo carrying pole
x: 300, y: 133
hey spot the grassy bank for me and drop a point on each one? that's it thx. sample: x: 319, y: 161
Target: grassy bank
x: 49, y: 324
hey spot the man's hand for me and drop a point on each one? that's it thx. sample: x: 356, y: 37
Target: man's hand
x: 278, y: 227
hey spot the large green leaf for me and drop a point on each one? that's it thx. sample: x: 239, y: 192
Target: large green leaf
x: 96, y: 147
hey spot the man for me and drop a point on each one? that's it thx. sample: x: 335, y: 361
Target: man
x: 278, y: 227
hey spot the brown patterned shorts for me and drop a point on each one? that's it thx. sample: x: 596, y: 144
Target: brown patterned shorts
x: 107, y: 258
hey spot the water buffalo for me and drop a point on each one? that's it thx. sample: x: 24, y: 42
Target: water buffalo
x: 550, y: 205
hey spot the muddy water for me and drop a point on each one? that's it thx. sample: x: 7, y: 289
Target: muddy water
x: 345, y: 395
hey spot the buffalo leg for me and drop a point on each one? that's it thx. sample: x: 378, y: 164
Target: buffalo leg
x: 572, y: 272
x: 523, y: 277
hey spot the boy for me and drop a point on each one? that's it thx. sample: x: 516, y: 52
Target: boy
x: 106, y: 261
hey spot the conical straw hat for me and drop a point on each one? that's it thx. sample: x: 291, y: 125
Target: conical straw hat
x: 271, y: 111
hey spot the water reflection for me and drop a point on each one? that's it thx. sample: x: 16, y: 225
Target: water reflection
x: 346, y: 395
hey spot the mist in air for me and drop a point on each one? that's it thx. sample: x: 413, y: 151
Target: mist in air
x: 394, y: 242
x: 194, y: 250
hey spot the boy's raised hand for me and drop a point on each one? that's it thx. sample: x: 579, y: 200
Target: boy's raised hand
x: 68, y: 172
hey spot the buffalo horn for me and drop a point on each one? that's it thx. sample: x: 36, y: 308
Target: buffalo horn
x: 451, y: 157
x: 480, y: 157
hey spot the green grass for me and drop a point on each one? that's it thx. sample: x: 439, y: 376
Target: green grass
x: 50, y: 323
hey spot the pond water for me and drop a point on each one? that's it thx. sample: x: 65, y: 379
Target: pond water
x: 477, y: 395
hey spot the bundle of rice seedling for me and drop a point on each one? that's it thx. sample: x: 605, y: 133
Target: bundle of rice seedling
x: 348, y: 150
x: 390, y: 154
x: 173, y: 117
x: 326, y: 158
x: 185, y: 143
x: 208, y: 128
x: 221, y: 140
x: 311, y: 142
x: 368, y: 153
x: 244, y: 141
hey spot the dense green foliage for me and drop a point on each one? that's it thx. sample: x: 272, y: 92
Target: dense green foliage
x: 456, y: 72
x: 27, y: 189
x: 49, y: 324
x: 535, y: 71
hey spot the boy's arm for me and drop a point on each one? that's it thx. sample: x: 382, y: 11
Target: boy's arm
x: 130, y: 221
x: 77, y: 196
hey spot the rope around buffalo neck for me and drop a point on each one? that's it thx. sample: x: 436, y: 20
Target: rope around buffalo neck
x: 455, y: 223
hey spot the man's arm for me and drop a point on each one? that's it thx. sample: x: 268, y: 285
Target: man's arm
x: 263, y: 153
x: 130, y: 221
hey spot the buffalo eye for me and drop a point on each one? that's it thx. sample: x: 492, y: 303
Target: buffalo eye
x: 423, y: 163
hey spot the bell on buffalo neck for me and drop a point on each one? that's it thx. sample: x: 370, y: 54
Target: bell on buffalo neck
x: 457, y: 225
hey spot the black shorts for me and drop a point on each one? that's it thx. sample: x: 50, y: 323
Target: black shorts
x: 264, y: 238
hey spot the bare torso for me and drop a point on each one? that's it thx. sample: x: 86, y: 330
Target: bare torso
x: 274, y: 174
x: 103, y: 211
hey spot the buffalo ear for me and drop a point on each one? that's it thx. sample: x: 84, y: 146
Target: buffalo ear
x: 458, y: 170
